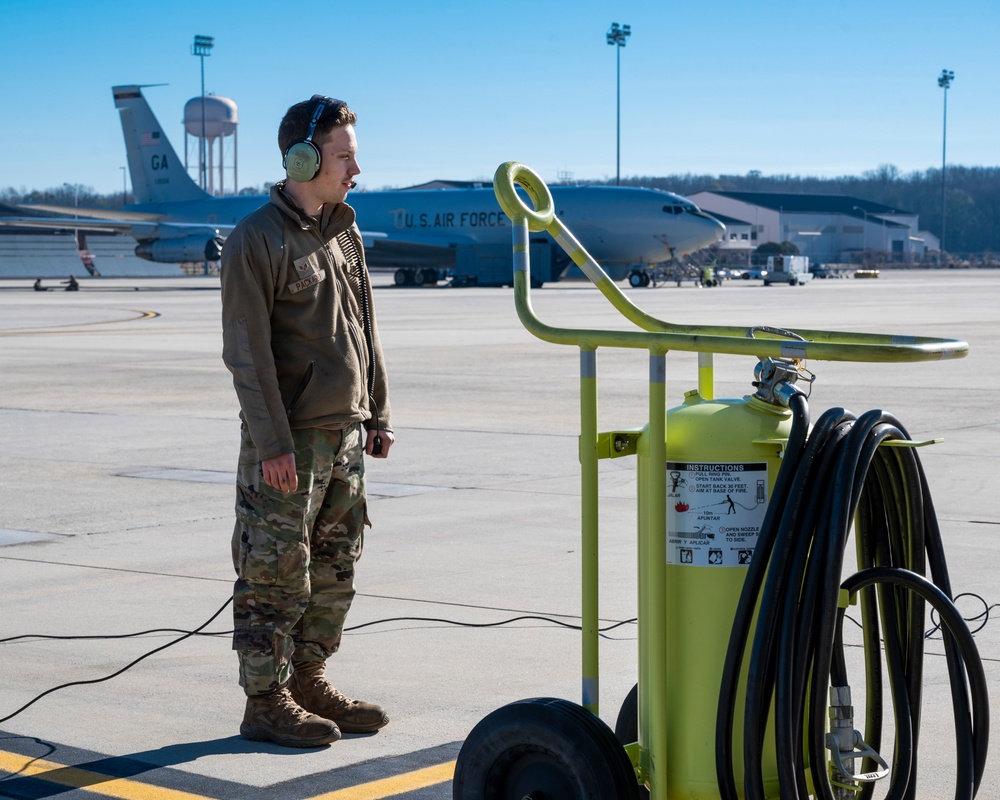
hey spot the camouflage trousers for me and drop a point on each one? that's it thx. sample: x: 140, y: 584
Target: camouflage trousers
x: 295, y: 555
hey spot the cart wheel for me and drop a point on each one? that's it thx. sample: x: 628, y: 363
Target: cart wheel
x: 635, y: 279
x: 543, y: 749
x: 403, y: 277
x: 627, y: 727
x: 627, y: 724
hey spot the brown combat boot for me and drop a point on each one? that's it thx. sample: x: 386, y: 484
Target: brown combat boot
x: 277, y: 718
x: 311, y: 690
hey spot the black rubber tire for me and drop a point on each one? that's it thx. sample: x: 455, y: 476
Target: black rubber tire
x: 403, y: 277
x: 546, y: 749
x: 635, y: 279
x: 627, y: 726
x: 645, y: 279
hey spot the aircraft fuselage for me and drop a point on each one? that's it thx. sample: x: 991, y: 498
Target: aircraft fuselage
x: 620, y: 225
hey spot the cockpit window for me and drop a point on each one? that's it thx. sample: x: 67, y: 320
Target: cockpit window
x: 673, y: 209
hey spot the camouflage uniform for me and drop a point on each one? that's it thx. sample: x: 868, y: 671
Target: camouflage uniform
x: 295, y: 554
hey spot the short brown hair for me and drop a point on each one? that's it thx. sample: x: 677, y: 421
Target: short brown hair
x: 295, y: 124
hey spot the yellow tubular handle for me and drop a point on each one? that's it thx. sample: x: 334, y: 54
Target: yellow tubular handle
x: 661, y: 335
x: 508, y: 174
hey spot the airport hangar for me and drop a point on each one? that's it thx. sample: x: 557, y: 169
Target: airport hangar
x: 828, y: 228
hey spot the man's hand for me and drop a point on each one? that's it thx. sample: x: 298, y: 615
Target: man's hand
x: 279, y: 473
x: 387, y: 440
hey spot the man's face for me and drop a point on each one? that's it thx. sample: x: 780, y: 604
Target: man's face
x: 339, y: 165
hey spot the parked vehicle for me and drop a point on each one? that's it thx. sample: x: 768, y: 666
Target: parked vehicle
x: 793, y: 270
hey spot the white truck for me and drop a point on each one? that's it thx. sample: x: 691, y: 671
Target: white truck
x: 793, y: 270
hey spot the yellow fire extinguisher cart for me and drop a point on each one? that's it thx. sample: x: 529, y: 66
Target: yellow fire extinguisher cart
x: 705, y: 473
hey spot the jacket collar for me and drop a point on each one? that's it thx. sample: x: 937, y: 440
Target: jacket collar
x: 334, y: 219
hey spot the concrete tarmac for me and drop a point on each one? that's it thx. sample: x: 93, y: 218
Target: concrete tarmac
x: 119, y: 433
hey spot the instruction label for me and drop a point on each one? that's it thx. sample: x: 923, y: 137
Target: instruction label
x: 714, y: 512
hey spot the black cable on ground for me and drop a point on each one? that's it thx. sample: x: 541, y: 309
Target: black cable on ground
x: 199, y: 631
x: 128, y: 666
x: 840, y: 473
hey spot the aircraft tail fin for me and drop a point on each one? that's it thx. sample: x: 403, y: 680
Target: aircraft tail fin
x: 158, y: 176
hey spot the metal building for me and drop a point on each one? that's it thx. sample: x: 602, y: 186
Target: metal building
x: 826, y: 228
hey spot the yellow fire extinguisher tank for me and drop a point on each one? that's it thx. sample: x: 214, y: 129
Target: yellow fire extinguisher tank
x: 722, y: 461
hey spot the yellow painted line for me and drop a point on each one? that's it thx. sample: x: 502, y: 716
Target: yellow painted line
x: 26, y: 767
x: 20, y: 766
x: 141, y: 315
x: 391, y: 787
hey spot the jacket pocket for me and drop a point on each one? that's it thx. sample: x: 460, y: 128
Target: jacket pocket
x: 300, y: 389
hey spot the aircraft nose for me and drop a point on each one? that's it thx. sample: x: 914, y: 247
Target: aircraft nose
x: 706, y: 231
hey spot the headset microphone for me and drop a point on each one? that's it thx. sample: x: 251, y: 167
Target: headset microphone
x: 354, y: 184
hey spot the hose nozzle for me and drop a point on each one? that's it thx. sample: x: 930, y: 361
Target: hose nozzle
x: 775, y: 378
x: 846, y: 744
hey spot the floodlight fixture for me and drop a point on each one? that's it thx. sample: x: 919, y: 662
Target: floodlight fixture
x: 202, y: 45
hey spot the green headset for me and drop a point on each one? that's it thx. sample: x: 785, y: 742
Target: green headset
x: 302, y: 159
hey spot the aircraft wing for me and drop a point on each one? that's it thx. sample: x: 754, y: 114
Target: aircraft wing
x: 64, y: 223
x: 136, y: 229
x: 386, y: 240
x: 412, y: 249
x: 92, y: 213
x: 80, y: 219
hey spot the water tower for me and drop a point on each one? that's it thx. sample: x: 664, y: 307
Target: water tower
x: 213, y: 118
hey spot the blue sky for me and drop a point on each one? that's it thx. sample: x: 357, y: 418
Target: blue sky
x: 452, y: 89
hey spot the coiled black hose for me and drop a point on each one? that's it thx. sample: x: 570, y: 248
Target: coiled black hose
x: 837, y: 474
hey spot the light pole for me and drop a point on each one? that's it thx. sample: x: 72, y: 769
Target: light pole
x: 944, y: 81
x: 616, y: 38
x: 202, y: 47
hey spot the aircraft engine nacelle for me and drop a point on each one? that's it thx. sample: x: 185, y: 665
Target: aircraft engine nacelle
x: 180, y: 249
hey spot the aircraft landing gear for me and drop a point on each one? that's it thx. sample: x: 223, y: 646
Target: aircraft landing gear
x: 638, y: 278
x: 426, y: 276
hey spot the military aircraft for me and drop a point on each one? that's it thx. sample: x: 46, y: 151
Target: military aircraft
x: 425, y: 235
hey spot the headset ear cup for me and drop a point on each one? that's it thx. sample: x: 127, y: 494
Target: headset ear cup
x: 302, y: 161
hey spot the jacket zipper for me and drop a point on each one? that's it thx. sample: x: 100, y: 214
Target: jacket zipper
x: 301, y: 388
